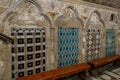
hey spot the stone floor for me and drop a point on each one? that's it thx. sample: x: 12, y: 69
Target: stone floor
x: 73, y: 77
x: 111, y: 73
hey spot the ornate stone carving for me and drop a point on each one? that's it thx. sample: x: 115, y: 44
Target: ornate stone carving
x: 27, y: 15
x: 95, y: 20
x: 6, y: 3
x: 69, y: 19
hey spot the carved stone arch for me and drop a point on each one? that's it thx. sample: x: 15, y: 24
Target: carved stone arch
x: 13, y: 12
x: 114, y: 25
x: 69, y: 19
x: 99, y: 18
x: 18, y: 4
x: 36, y: 3
x: 112, y: 22
x: 59, y: 19
x: 38, y: 20
x: 77, y: 14
x: 95, y: 29
x: 113, y: 18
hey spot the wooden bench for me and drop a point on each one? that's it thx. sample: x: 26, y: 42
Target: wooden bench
x: 58, y: 73
x: 101, y: 62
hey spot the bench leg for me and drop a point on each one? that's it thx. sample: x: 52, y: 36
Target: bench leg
x: 84, y: 75
x: 95, y: 72
x: 117, y: 62
x: 87, y: 76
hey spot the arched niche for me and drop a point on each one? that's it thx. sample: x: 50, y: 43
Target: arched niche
x: 95, y: 18
x: 113, y: 18
x: 94, y: 36
x: 112, y: 33
x: 69, y: 18
x: 27, y: 14
x: 68, y: 22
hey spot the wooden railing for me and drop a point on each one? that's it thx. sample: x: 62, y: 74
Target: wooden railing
x: 58, y: 73
x: 6, y: 38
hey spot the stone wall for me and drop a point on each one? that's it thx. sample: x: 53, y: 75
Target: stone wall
x: 111, y: 3
x: 51, y: 15
x: 5, y: 61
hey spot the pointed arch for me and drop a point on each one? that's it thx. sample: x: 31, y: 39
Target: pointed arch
x: 99, y: 18
x: 114, y: 18
x: 112, y: 32
x: 36, y: 3
x: 112, y: 21
x: 80, y: 19
x: 39, y: 17
x: 76, y: 14
x: 94, y: 31
x: 69, y: 22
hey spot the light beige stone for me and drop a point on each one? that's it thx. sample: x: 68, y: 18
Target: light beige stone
x: 2, y: 9
x: 65, y: 13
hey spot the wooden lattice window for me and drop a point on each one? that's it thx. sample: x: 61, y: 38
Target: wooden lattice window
x: 28, y: 52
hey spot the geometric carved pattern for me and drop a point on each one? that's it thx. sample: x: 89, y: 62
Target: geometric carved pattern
x: 28, y: 52
x: 110, y: 42
x: 67, y: 46
x: 93, y: 44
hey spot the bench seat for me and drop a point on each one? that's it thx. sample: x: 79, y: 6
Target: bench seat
x: 58, y: 73
x: 102, y: 61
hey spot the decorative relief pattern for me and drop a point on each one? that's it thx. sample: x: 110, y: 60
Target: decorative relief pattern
x: 67, y: 46
x: 110, y: 42
x: 28, y: 52
x: 6, y: 3
x: 93, y: 44
x: 69, y: 18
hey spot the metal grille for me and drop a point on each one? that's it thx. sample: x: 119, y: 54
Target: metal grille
x: 28, y: 52
x: 67, y: 46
